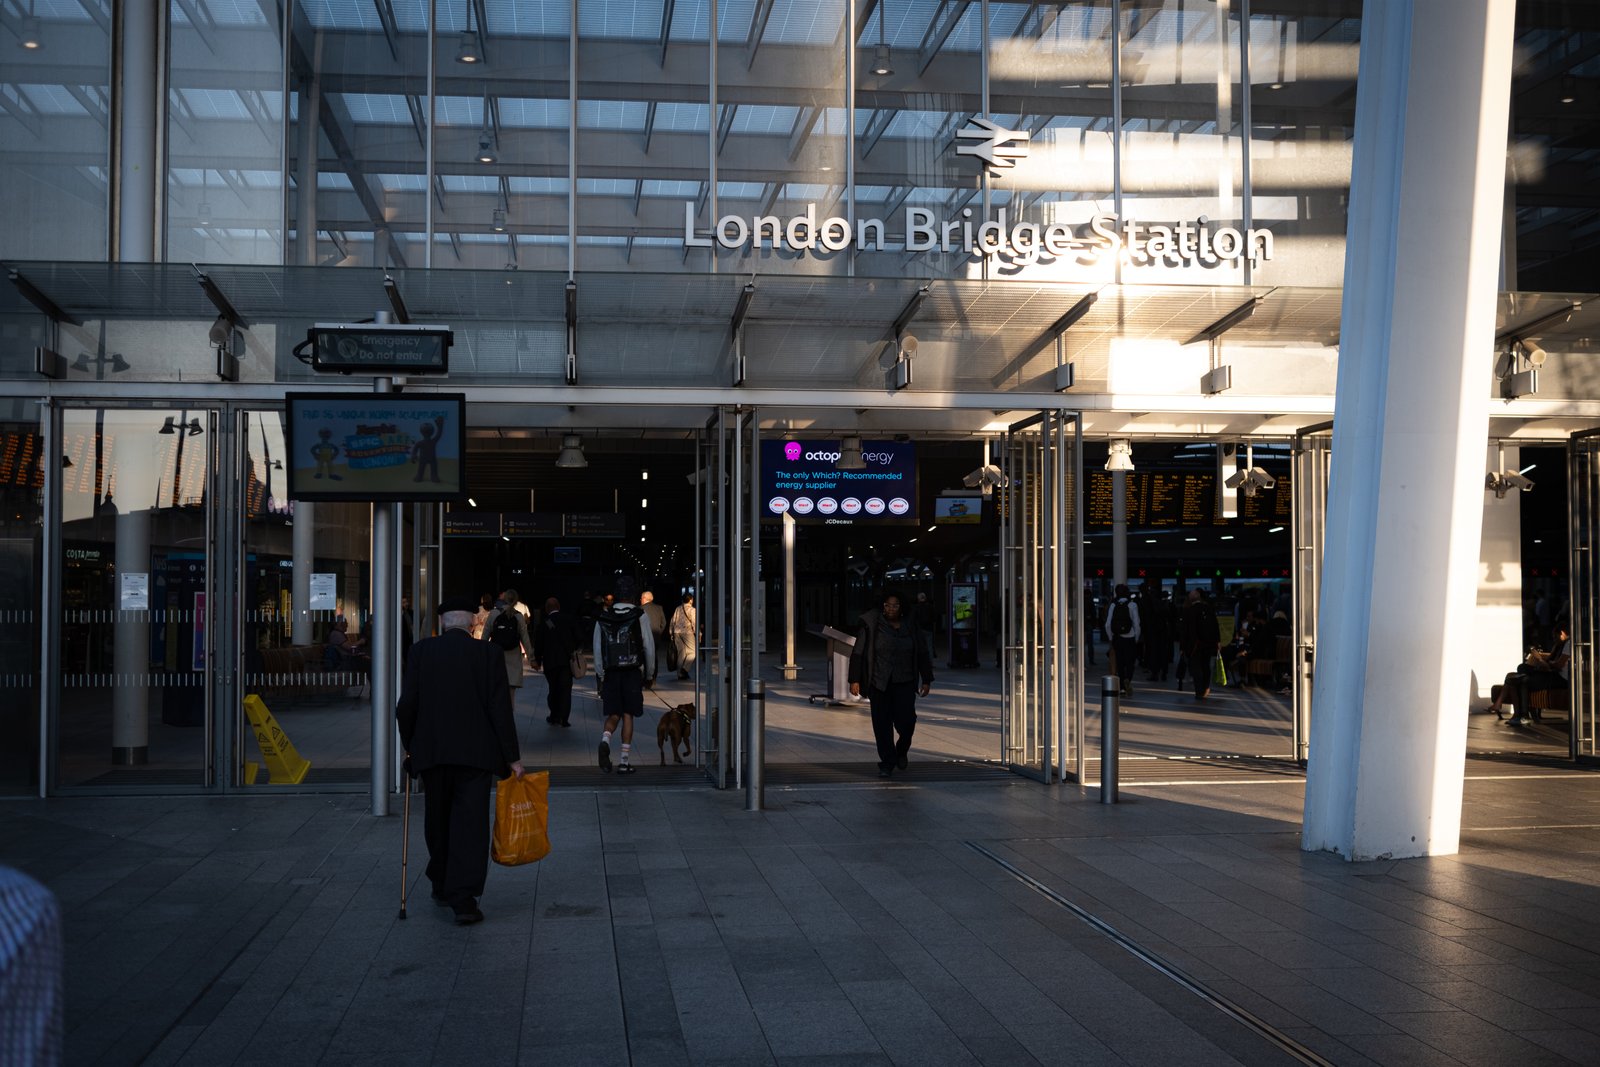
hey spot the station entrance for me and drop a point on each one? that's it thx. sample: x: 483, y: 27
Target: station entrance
x: 212, y: 620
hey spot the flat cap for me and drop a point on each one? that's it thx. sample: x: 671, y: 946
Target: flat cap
x: 458, y: 603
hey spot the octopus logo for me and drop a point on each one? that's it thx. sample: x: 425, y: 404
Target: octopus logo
x: 791, y: 451
x: 802, y: 505
x: 827, y: 505
x: 874, y: 506
x: 898, y: 506
x: 851, y: 505
x: 778, y: 505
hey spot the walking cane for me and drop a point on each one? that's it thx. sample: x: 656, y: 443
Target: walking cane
x: 405, y: 834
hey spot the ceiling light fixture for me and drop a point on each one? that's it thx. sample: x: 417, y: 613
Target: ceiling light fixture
x: 486, y: 152
x: 1569, y: 89
x: 571, y: 457
x: 467, y: 51
x: 32, y: 31
x: 499, y: 223
x: 880, y: 62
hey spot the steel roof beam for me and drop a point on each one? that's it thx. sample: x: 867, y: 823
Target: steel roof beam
x: 1048, y: 337
x: 1228, y: 321
x: 219, y: 300
x: 47, y: 307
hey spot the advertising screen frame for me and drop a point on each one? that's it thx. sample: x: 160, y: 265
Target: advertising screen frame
x: 425, y: 493
x: 831, y: 509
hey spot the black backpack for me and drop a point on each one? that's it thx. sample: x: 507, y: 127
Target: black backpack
x: 1121, y: 619
x: 621, y: 647
x: 503, y: 631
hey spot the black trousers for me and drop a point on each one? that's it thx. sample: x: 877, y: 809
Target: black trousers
x: 560, y: 698
x: 894, y: 710
x: 1125, y: 649
x: 1200, y: 668
x: 456, y: 826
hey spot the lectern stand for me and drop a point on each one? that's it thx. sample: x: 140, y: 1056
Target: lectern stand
x: 840, y: 646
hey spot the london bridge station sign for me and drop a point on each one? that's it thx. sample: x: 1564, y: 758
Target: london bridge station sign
x: 1196, y: 243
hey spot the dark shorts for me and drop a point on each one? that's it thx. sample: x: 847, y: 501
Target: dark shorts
x: 622, y: 693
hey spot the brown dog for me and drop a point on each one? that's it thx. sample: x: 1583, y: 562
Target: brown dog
x: 675, y: 725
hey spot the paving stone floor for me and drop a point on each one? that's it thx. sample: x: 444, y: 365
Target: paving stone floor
x: 901, y: 923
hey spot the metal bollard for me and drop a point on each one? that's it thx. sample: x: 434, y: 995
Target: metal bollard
x: 1110, y: 686
x: 755, y: 704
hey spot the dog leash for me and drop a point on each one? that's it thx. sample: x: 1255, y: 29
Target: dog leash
x: 672, y: 708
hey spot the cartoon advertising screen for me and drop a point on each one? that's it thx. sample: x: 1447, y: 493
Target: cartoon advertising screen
x: 960, y: 509
x: 383, y: 447
x: 799, y: 477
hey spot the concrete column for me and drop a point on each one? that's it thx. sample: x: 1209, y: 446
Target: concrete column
x: 1388, y: 722
x: 139, y: 101
x: 1496, y: 640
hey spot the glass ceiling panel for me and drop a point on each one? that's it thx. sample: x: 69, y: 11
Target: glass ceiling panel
x: 410, y: 15
x: 333, y: 179
x: 761, y: 118
x: 66, y: 10
x: 213, y: 103
x: 691, y: 20
x: 342, y: 15
x: 526, y: 18
x: 626, y: 19
x: 229, y: 12
x: 683, y: 118
x: 805, y: 22
x: 470, y: 183
x: 454, y: 110
x: 741, y: 190
x: 655, y: 187
x: 401, y: 182
x: 539, y: 186
x: 605, y: 187
x: 369, y: 108
x: 532, y: 113
x: 626, y: 115
x: 52, y: 100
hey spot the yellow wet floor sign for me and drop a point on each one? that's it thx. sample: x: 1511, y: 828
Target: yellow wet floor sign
x: 285, y: 766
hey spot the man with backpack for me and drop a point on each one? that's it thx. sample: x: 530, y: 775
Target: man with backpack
x: 624, y: 656
x: 1122, y: 630
x: 507, y: 629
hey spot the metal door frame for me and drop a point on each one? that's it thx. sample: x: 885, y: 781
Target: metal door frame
x: 1040, y: 597
x: 1311, y: 463
x: 1583, y: 587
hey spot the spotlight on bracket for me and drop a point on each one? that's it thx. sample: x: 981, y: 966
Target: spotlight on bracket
x: 987, y: 479
x: 896, y: 359
x: 1121, y: 456
x: 850, y: 457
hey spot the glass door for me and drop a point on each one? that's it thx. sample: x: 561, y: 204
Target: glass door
x: 303, y: 616
x: 1583, y: 517
x: 1311, y: 462
x: 1041, y: 603
x: 133, y: 695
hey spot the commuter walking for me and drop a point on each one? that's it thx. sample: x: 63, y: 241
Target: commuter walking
x: 1202, y: 639
x: 455, y: 722
x: 683, y: 631
x: 658, y: 627
x: 891, y: 659
x: 624, y: 656
x: 507, y: 629
x: 554, y: 641
x: 1122, y: 630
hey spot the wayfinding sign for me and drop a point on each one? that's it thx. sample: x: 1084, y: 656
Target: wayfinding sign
x: 369, y: 348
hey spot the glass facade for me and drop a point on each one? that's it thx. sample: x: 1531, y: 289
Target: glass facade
x: 625, y: 135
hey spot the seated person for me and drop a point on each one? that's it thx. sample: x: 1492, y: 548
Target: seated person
x: 1242, y: 650
x: 340, y: 653
x: 1541, y: 670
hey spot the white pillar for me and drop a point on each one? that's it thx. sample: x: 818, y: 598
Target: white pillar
x: 1388, y: 722
x: 139, y: 102
x: 1496, y: 640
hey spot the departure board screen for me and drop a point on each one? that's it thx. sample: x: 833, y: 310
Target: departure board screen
x: 1169, y: 499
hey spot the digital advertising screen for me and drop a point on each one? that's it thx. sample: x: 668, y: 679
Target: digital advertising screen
x: 799, y: 478
x: 958, y: 509
x: 383, y: 447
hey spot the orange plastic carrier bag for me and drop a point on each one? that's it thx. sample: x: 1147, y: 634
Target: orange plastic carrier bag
x: 522, y: 820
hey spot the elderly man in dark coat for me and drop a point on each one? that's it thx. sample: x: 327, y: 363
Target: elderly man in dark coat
x: 459, y: 735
